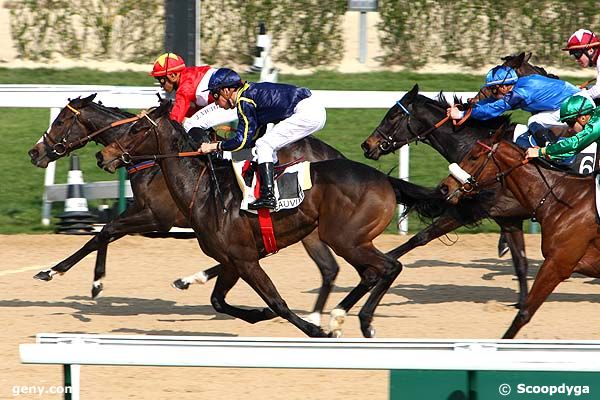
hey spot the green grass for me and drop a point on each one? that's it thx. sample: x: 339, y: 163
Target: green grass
x: 21, y: 184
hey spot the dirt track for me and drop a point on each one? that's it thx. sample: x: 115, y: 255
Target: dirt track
x: 462, y: 291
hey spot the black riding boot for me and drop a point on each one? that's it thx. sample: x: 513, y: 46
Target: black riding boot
x: 267, y: 187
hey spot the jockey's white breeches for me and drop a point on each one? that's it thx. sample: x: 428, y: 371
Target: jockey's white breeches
x: 548, y: 119
x: 209, y: 116
x: 309, y: 116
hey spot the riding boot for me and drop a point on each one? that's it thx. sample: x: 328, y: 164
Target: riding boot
x: 502, y: 245
x: 267, y: 187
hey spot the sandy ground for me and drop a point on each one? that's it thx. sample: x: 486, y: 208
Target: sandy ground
x: 459, y: 291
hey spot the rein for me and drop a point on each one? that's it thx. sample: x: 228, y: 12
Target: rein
x: 388, y: 141
x: 472, y: 182
x: 63, y: 147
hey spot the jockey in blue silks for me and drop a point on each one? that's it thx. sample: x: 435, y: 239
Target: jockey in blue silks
x: 540, y: 95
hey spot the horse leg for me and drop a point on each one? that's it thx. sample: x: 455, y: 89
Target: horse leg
x: 97, y: 242
x: 200, y: 277
x: 548, y: 277
x: 516, y: 244
x: 252, y: 273
x: 441, y: 226
x: 329, y: 268
x: 225, y: 281
x: 391, y: 270
x: 133, y: 220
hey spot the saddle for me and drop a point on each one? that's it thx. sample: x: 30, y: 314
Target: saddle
x: 291, y: 180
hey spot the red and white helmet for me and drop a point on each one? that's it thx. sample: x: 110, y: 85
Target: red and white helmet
x: 582, y: 39
x: 167, y: 63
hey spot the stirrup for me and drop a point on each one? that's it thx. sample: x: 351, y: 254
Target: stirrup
x: 263, y: 202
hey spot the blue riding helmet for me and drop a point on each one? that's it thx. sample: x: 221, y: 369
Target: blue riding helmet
x: 224, y: 78
x: 500, y: 75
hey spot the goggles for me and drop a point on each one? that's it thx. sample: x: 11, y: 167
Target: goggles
x: 577, y: 54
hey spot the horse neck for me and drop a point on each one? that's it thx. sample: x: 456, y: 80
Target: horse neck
x: 100, y: 117
x: 451, y: 145
x: 187, y: 178
x: 531, y: 184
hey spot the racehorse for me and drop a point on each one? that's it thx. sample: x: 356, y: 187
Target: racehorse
x: 417, y: 118
x: 153, y: 209
x: 349, y: 204
x: 563, y: 203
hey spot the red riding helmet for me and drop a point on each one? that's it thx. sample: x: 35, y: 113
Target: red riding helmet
x: 167, y: 63
x: 582, y: 39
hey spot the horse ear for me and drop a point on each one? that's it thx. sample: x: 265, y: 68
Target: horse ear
x: 528, y: 56
x: 90, y: 98
x: 410, y: 96
x: 499, y: 134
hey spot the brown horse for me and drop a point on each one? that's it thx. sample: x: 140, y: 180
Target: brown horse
x: 153, y: 208
x: 563, y: 203
x: 349, y: 205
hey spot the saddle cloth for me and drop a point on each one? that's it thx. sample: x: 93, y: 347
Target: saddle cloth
x: 289, y: 185
x: 597, y: 182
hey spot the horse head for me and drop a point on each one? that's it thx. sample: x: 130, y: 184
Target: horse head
x: 72, y: 129
x: 412, y: 119
x: 141, y: 139
x: 481, y: 167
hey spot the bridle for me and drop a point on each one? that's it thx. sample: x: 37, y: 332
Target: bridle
x: 472, y: 183
x: 388, y: 142
x: 63, y: 147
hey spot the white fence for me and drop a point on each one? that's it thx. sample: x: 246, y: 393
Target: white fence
x: 56, y: 97
x: 74, y: 350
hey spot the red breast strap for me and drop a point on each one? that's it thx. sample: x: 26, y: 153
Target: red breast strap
x: 266, y: 229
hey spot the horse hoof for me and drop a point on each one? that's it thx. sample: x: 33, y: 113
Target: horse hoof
x: 336, y: 321
x: 96, y: 289
x: 180, y: 284
x: 369, y: 332
x: 336, y: 334
x: 43, y: 276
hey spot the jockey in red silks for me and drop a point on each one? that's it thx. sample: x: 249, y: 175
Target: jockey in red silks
x: 194, y: 106
x: 584, y: 46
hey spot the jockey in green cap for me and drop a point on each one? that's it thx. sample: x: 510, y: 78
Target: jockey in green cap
x: 583, y: 118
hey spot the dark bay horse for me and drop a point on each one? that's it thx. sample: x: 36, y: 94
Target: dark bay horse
x: 412, y: 120
x: 563, y: 203
x: 153, y: 208
x: 349, y: 205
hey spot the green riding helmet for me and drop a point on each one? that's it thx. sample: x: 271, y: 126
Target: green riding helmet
x: 575, y: 106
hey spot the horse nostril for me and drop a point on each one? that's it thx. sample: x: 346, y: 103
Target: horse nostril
x: 99, y: 159
x: 364, y: 146
x: 33, y: 153
x: 444, y: 190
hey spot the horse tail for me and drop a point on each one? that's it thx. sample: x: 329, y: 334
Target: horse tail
x: 427, y: 202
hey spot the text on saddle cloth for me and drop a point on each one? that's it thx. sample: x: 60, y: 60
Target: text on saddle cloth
x: 289, y: 185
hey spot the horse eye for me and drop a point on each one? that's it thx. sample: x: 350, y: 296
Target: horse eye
x: 59, y: 123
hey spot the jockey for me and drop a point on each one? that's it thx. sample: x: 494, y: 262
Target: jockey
x: 582, y: 116
x: 295, y: 113
x: 194, y: 107
x: 584, y: 46
x: 540, y: 95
